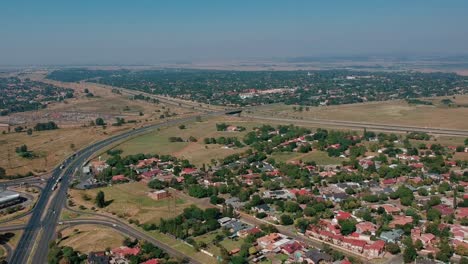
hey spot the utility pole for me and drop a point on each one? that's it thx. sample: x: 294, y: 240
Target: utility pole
x: 9, y: 158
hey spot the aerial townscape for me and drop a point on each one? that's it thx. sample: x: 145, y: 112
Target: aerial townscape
x: 298, y: 132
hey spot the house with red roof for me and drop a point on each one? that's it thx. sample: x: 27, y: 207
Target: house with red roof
x: 291, y: 248
x: 417, y: 165
x: 389, y: 208
x: 444, y: 209
x: 249, y: 231
x: 343, y: 215
x: 124, y: 251
x: 400, y: 220
x: 327, y: 173
x: 147, y: 176
x: 389, y: 181
x: 426, y: 239
x: 119, y: 178
x: 302, y: 192
x: 189, y: 171
x: 273, y: 241
x: 375, y: 249
x: 353, y: 244
x: 366, y: 227
x: 462, y: 212
x: 151, y: 261
x: 366, y: 163
x: 451, y: 163
x: 334, y: 146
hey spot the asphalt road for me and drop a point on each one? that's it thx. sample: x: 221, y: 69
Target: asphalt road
x: 41, y: 230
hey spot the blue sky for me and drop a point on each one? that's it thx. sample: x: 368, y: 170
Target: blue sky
x: 148, y: 32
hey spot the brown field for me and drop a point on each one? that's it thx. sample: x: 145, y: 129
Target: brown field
x: 197, y: 152
x: 51, y: 147
x: 88, y: 238
x: 390, y: 112
x: 131, y: 200
x: 81, y: 109
x: 461, y: 156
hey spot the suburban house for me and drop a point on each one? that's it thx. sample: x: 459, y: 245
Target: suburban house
x: 392, y: 236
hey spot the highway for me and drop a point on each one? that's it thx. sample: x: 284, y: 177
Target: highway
x: 40, y: 229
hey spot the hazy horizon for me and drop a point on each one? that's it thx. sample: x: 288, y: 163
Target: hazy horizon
x: 150, y: 32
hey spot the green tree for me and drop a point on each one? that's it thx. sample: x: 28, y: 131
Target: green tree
x: 100, y: 200
x: 2, y: 173
x: 409, y: 254
x: 286, y: 220
x: 100, y: 122
x: 347, y: 226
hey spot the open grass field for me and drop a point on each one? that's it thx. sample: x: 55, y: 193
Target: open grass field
x: 390, y: 112
x: 88, y: 238
x: 130, y: 200
x: 197, y: 152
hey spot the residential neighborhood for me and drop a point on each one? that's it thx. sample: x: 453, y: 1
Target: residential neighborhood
x: 390, y: 196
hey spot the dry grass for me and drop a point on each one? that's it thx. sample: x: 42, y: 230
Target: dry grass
x: 91, y: 238
x: 197, y: 152
x: 130, y: 200
x: 51, y: 147
x: 461, y: 156
x: 391, y: 112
